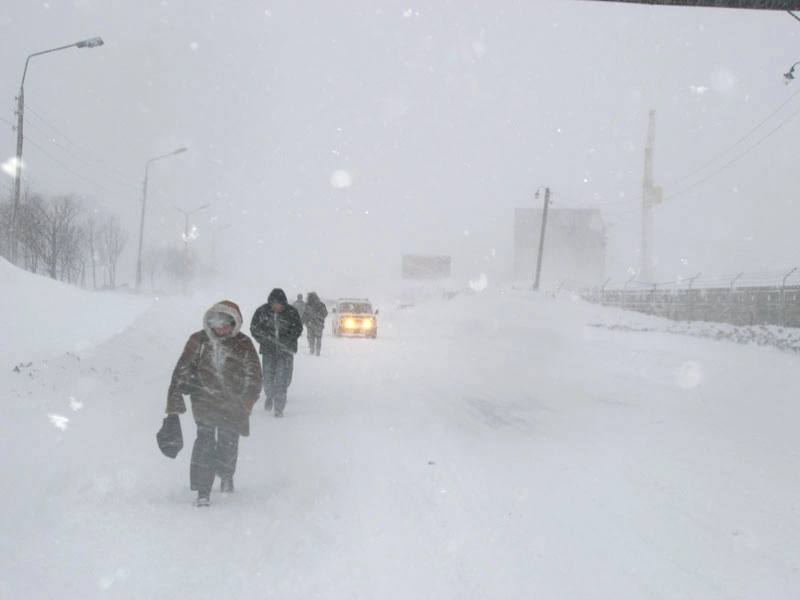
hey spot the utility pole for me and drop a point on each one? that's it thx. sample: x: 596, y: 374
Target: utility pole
x: 541, y: 238
x: 88, y: 43
x: 651, y: 196
x: 141, y: 232
x: 17, y: 172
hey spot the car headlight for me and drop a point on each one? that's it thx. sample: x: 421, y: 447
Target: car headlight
x: 368, y: 323
x: 350, y: 323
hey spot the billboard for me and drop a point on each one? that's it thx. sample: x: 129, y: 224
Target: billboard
x: 416, y: 266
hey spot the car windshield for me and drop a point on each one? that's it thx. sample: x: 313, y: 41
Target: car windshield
x: 356, y: 308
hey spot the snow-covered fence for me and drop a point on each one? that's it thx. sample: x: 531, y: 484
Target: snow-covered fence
x: 749, y: 304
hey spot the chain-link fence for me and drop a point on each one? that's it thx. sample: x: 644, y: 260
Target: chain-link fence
x: 755, y: 302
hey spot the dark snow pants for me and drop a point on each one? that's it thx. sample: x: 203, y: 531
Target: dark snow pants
x: 278, y: 368
x: 315, y: 340
x: 215, y: 452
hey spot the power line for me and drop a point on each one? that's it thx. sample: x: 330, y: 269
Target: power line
x: 96, y: 158
x: 724, y: 152
x: 736, y: 158
x: 67, y: 168
x: 112, y: 178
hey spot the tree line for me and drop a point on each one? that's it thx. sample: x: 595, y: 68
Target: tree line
x: 61, y: 237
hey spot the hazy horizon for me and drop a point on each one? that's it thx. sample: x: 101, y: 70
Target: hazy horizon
x: 445, y: 118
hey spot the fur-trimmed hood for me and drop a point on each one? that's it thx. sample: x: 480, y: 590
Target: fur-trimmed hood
x: 225, y: 307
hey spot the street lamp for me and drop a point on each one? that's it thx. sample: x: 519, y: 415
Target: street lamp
x: 144, y: 206
x: 186, y: 214
x: 87, y: 43
x: 789, y: 75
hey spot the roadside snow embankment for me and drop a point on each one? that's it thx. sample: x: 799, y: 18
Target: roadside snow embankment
x: 43, y: 318
x: 782, y: 338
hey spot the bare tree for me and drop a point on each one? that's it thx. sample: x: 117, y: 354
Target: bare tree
x: 56, y: 240
x: 59, y: 233
x: 72, y: 257
x: 153, y: 263
x: 92, y: 247
x: 31, y: 231
x: 5, y: 229
x: 113, y: 239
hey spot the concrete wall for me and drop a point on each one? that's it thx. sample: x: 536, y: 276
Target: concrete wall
x: 739, y: 306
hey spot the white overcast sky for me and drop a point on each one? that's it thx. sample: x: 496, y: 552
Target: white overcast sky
x: 446, y: 114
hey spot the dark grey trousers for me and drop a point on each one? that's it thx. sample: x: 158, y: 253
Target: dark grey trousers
x: 215, y: 450
x: 278, y: 368
x: 315, y: 340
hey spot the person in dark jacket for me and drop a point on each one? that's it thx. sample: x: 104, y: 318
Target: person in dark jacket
x: 300, y: 305
x: 220, y: 371
x: 276, y: 326
x: 314, y: 320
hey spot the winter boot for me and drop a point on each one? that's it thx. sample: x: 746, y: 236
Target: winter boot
x: 202, y: 499
x: 268, y: 404
x: 226, y: 484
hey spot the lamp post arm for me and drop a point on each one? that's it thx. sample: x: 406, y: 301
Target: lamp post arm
x: 27, y: 60
x: 152, y: 160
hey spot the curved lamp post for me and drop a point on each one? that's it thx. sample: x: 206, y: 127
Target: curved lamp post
x: 144, y: 207
x: 87, y: 43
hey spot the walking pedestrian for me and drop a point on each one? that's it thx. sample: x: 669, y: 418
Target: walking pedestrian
x: 276, y: 326
x: 314, y: 319
x: 299, y: 305
x: 220, y: 372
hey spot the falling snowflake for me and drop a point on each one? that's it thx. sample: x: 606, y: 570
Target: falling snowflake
x: 341, y: 179
x: 689, y: 375
x: 74, y: 404
x: 58, y: 421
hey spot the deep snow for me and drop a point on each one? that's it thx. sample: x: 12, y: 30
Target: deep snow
x: 43, y: 318
x: 492, y: 446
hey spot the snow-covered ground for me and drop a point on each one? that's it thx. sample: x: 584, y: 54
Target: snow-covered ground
x: 42, y: 318
x: 492, y: 446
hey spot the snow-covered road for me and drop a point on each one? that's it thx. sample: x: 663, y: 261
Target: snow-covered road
x: 491, y: 446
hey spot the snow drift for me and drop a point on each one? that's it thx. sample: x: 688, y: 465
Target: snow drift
x: 43, y: 318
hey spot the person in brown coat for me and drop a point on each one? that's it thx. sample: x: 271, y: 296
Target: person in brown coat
x: 221, y: 372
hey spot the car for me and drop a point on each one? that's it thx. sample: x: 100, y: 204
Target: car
x: 354, y: 317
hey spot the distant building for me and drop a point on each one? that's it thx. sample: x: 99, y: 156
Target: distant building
x: 417, y: 266
x: 574, y: 245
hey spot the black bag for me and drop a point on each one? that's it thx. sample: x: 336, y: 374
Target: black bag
x: 170, y: 436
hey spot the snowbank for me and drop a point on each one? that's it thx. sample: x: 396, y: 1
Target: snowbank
x: 43, y: 318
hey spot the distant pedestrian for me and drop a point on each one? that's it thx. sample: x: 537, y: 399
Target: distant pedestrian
x: 299, y: 305
x: 314, y: 319
x: 220, y: 372
x: 276, y: 326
